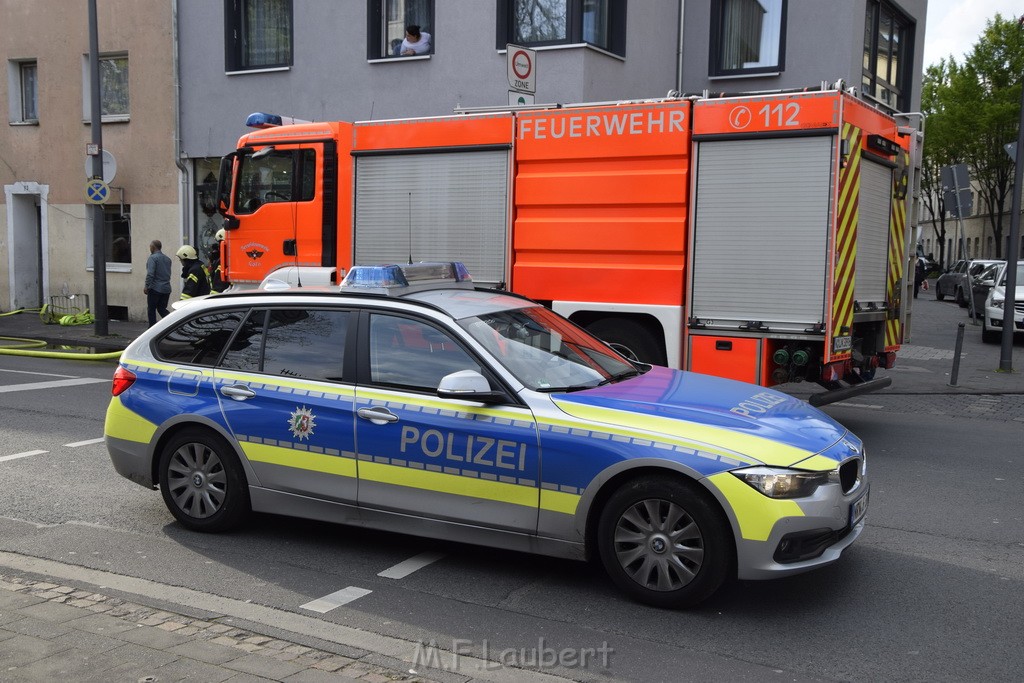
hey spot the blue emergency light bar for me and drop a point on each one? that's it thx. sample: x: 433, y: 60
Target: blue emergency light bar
x: 397, y: 279
x: 264, y: 120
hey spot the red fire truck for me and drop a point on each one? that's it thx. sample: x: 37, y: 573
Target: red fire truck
x: 758, y: 237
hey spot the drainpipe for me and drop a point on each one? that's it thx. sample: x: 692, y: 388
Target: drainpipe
x: 679, y: 47
x: 184, y: 193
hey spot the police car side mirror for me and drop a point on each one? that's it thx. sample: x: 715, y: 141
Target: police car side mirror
x: 469, y: 385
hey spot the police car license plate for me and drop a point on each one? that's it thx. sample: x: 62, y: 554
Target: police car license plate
x: 858, y: 508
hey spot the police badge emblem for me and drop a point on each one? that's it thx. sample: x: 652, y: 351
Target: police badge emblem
x: 301, y: 423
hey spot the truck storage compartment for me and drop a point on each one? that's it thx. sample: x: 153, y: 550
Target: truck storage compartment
x: 731, y: 357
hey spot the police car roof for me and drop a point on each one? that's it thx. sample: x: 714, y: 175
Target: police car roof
x: 456, y: 302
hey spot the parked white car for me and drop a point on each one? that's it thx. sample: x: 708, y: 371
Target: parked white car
x: 992, y: 323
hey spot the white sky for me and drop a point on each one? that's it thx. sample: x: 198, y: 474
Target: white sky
x: 954, y: 26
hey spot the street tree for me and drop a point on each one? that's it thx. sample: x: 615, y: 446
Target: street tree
x: 976, y: 112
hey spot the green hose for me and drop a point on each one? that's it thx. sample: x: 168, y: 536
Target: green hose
x: 25, y: 347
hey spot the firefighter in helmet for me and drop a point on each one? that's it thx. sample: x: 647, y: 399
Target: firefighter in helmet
x: 218, y: 282
x: 195, y: 279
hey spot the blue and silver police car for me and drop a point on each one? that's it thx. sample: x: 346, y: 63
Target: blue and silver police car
x: 407, y: 400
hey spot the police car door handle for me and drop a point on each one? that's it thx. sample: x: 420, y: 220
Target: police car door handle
x: 239, y: 392
x: 377, y: 415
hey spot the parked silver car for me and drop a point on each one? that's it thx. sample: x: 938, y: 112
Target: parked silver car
x: 955, y: 282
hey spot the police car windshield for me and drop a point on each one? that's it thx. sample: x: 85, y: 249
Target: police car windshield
x: 545, y: 352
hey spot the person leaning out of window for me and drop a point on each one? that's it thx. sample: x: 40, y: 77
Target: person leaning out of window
x: 416, y: 42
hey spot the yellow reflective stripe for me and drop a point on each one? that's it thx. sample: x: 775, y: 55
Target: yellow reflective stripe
x: 186, y: 296
x: 557, y: 501
x: 448, y: 483
x: 681, y: 433
x: 817, y: 463
x: 755, y: 513
x: 192, y: 277
x: 122, y: 423
x: 303, y: 460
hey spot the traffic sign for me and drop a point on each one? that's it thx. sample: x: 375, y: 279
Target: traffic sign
x: 518, y: 99
x: 96, y: 191
x: 522, y: 68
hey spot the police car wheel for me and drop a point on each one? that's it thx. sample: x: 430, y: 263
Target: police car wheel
x: 663, y: 543
x: 202, y: 481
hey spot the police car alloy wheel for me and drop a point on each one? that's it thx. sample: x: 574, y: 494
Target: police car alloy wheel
x: 662, y: 543
x: 202, y: 482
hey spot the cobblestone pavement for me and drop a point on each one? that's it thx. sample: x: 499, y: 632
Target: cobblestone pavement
x: 51, y: 632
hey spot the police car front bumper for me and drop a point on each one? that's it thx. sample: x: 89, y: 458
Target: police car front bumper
x: 796, y: 544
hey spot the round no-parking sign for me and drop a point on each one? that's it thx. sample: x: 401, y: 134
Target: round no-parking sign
x: 522, y: 70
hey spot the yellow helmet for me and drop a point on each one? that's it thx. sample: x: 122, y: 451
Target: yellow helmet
x: 220, y: 235
x: 187, y: 252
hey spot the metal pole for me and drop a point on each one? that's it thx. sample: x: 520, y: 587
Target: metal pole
x: 956, y: 354
x: 99, y: 247
x: 1006, y: 350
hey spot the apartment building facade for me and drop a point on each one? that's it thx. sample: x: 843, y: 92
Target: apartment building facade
x: 46, y: 227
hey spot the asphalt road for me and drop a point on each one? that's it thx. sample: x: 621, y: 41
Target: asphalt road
x: 932, y: 590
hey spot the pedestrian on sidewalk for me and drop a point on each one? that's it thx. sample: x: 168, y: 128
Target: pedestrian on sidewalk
x: 920, y: 276
x: 158, y: 282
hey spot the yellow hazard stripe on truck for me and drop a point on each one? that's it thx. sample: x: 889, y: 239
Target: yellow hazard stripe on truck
x: 846, y: 243
x: 894, y: 285
x: 124, y: 424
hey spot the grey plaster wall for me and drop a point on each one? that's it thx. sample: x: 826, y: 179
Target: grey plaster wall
x: 331, y: 78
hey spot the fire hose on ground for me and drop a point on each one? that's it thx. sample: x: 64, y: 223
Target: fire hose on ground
x: 28, y: 347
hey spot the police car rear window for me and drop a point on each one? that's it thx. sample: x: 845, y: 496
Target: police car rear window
x: 199, y: 340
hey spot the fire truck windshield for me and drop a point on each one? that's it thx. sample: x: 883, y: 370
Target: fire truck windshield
x: 276, y: 176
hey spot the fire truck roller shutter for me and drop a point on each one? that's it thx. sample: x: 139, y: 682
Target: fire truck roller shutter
x: 761, y: 217
x: 873, y: 233
x: 451, y: 205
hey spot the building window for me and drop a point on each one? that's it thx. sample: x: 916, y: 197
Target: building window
x: 29, y: 105
x: 888, y: 55
x: 114, y: 101
x: 258, y: 34
x: 538, y: 23
x: 117, y: 222
x: 747, y: 37
x: 114, y: 86
x: 386, y: 24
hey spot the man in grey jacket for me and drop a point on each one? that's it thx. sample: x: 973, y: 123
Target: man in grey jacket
x: 158, y: 281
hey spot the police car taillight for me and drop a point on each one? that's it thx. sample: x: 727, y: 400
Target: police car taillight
x: 123, y: 378
x: 398, y: 279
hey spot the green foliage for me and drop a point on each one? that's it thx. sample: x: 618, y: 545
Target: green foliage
x: 973, y: 109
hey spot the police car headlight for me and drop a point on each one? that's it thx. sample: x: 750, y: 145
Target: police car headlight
x: 782, y: 483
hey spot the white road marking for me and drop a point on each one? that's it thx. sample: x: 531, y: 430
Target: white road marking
x: 84, y: 443
x: 26, y: 454
x: 336, y: 599
x: 403, y: 569
x: 29, y: 372
x: 56, y: 384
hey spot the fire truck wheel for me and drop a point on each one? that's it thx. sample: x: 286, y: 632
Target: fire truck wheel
x: 202, y: 481
x: 630, y: 338
x: 662, y: 542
